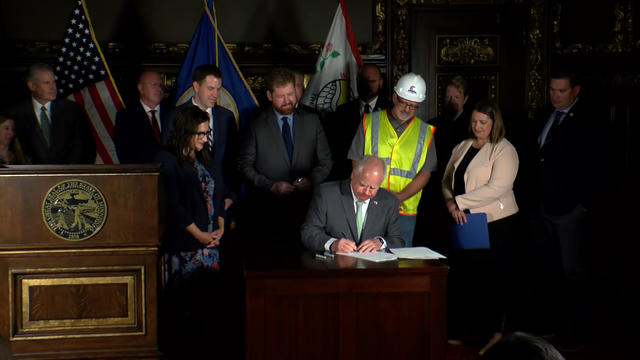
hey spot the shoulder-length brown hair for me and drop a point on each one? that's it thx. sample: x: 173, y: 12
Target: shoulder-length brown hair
x: 491, y: 109
x: 184, y: 128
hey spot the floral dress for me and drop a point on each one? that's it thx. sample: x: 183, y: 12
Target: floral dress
x: 184, y: 264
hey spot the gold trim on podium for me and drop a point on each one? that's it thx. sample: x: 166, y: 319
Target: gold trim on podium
x: 22, y: 327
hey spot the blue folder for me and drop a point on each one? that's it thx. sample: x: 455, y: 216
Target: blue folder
x: 474, y: 234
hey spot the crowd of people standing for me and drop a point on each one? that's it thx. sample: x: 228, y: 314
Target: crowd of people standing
x: 255, y: 185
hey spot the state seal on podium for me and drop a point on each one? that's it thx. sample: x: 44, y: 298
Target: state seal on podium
x: 74, y: 210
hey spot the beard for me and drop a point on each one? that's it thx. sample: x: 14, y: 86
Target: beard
x: 285, y: 109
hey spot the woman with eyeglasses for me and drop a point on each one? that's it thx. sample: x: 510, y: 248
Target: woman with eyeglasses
x: 194, y: 225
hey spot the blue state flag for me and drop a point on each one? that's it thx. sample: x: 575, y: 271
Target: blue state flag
x: 207, y: 47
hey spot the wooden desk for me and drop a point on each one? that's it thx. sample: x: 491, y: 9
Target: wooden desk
x: 303, y: 307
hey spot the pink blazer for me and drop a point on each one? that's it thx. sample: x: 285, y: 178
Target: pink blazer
x: 488, y: 179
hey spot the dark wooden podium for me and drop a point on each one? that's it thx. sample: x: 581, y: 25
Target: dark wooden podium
x: 303, y: 307
x: 78, y: 261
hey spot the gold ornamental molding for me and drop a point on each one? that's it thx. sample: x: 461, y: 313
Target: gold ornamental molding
x: 622, y: 40
x: 467, y: 50
x: 379, y: 44
x: 241, y: 49
x: 536, y: 86
x: 400, y: 52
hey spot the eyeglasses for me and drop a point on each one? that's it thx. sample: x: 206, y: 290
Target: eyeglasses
x: 203, y: 134
x: 407, y: 105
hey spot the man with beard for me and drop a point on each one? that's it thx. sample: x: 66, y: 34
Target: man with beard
x: 404, y: 143
x: 284, y: 154
x: 342, y: 126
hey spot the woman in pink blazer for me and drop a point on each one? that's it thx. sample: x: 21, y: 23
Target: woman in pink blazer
x: 479, y: 179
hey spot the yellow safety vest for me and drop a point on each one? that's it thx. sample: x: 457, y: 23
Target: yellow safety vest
x: 404, y: 155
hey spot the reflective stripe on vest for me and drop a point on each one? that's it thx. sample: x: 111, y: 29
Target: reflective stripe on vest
x: 404, y: 155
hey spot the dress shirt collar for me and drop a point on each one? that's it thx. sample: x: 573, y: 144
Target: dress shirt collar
x: 208, y: 110
x: 372, y: 104
x: 147, y: 109
x: 37, y: 108
x: 279, y: 116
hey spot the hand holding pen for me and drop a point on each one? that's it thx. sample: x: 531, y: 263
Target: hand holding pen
x: 343, y: 245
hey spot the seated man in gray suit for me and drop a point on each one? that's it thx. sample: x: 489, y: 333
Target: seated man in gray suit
x: 354, y: 214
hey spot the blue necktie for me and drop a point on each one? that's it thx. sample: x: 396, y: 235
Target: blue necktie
x: 286, y: 136
x: 559, y: 115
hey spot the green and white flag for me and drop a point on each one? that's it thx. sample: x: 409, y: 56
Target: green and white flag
x: 334, y: 80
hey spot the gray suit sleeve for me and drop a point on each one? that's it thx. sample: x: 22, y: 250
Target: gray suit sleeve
x: 313, y: 229
x: 323, y: 156
x: 247, y: 160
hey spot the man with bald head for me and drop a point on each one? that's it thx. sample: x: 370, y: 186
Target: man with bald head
x: 342, y: 126
x: 354, y: 214
x: 139, y: 128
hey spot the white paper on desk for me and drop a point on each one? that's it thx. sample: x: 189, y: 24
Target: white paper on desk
x: 419, y: 252
x: 377, y: 256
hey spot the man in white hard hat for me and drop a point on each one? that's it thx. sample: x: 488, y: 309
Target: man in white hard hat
x: 405, y: 143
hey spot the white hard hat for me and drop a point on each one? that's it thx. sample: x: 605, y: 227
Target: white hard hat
x: 411, y: 87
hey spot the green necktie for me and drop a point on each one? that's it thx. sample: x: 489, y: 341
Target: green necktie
x: 359, y: 217
x: 45, y: 125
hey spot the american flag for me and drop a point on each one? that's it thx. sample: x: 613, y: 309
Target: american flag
x: 83, y: 76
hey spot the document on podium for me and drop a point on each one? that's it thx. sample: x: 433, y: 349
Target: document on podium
x: 419, y: 252
x: 377, y: 256
x: 474, y: 234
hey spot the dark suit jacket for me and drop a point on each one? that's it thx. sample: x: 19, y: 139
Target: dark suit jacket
x: 448, y: 134
x: 341, y: 127
x: 71, y: 138
x: 225, y: 143
x: 133, y: 135
x: 263, y: 159
x: 184, y: 203
x: 331, y: 215
x: 562, y: 166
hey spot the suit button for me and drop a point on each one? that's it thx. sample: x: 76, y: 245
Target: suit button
x: 541, y: 159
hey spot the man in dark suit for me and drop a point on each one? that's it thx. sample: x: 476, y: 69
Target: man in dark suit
x: 139, y: 128
x: 52, y: 131
x: 283, y: 155
x: 563, y: 181
x: 207, y: 83
x: 452, y: 127
x: 341, y: 126
x: 355, y: 214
